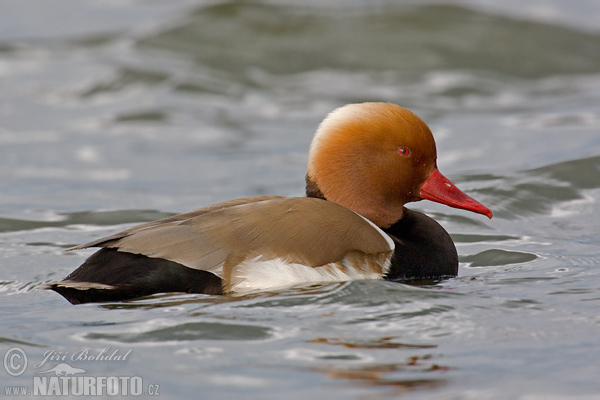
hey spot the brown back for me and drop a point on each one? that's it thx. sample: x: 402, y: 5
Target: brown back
x: 308, y: 231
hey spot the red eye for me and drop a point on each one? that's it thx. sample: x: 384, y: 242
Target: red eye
x: 403, y: 151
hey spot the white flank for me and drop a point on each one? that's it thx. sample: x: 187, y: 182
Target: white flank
x: 256, y: 275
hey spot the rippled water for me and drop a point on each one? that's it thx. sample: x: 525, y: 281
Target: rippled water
x: 120, y: 112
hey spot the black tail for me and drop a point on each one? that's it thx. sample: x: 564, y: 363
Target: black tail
x: 111, y: 275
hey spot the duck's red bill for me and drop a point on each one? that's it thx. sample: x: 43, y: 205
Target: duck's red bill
x: 438, y: 188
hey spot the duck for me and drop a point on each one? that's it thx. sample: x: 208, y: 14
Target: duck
x: 365, y: 163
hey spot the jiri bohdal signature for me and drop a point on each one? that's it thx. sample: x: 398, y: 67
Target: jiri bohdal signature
x: 105, y: 354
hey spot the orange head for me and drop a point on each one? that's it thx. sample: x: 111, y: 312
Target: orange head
x: 374, y: 157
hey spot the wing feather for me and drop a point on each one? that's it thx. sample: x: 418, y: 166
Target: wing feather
x: 106, y: 241
x: 307, y: 231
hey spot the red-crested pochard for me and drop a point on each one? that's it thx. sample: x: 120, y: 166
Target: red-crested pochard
x: 365, y: 162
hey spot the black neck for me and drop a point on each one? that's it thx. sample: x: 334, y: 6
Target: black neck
x: 312, y: 189
x: 423, y: 248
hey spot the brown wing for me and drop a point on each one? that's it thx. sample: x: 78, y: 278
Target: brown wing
x: 303, y: 230
x: 107, y: 240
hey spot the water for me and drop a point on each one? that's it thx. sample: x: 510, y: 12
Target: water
x: 123, y: 112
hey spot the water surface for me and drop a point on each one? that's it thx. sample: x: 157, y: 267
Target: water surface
x: 118, y: 113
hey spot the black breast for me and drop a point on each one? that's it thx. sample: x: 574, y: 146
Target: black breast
x: 424, y: 250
